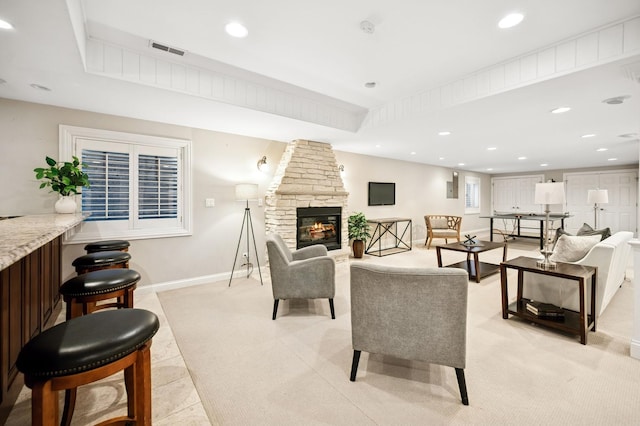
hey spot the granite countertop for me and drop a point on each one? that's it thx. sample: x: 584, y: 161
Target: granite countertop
x: 22, y: 235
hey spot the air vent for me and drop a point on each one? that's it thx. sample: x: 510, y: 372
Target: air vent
x: 167, y: 48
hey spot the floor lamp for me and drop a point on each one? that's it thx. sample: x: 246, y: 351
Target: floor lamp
x: 595, y: 197
x: 548, y: 193
x: 246, y: 192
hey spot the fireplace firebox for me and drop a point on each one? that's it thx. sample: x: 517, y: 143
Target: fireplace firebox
x: 318, y: 225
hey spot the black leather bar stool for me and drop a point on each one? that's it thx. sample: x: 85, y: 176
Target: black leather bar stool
x: 82, y: 295
x: 101, y: 260
x: 83, y: 292
x: 108, y: 245
x: 87, y: 349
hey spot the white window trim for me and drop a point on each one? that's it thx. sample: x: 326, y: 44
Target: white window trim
x: 68, y: 145
x: 473, y: 180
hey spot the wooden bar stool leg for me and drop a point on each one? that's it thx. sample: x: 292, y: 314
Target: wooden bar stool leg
x: 69, y: 406
x: 143, y: 385
x: 44, y: 405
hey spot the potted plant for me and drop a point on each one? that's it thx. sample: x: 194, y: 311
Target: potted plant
x: 64, y: 178
x: 358, y: 232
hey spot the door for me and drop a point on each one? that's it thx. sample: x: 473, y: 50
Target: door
x: 619, y: 214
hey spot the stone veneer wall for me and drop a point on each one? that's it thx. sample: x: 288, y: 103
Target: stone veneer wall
x: 307, y: 176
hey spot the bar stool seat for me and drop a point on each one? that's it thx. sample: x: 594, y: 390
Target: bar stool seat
x: 83, y: 292
x: 107, y: 245
x: 101, y: 260
x: 86, y: 349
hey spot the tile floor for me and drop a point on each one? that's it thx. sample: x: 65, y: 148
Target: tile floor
x: 174, y: 397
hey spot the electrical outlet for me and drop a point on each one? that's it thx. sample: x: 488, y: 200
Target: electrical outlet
x: 210, y: 202
x: 245, y: 255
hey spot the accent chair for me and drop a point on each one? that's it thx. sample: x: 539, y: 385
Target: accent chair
x: 442, y: 226
x: 410, y: 313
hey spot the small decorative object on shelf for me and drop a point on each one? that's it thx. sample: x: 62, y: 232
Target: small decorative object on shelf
x: 545, y: 310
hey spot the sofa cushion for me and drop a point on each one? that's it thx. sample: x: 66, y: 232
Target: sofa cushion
x: 586, y: 229
x: 571, y: 248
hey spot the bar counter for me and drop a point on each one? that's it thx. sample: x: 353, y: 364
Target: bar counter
x: 30, y: 279
x: 20, y: 236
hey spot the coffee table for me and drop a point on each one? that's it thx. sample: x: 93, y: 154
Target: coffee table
x: 476, y: 269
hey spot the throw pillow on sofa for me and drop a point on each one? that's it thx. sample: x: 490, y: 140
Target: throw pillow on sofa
x: 571, y: 248
x: 585, y: 229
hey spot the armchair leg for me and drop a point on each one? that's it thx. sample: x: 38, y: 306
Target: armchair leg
x: 462, y: 385
x: 333, y: 312
x: 275, y: 308
x: 354, y: 365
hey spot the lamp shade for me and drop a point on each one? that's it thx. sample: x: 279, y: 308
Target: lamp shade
x: 549, y: 193
x: 597, y: 196
x: 246, y: 191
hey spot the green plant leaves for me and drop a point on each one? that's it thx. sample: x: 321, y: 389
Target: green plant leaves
x: 63, y: 178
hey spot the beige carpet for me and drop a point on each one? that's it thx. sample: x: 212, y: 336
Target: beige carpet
x: 250, y: 370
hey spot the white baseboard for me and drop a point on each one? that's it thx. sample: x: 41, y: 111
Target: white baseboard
x: 635, y: 349
x: 188, y: 282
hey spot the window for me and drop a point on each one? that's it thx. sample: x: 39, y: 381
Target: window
x: 471, y: 194
x: 140, y: 185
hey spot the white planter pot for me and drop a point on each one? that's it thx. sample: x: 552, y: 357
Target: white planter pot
x: 65, y: 204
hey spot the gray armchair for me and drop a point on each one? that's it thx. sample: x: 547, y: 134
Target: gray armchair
x: 307, y: 273
x: 410, y: 313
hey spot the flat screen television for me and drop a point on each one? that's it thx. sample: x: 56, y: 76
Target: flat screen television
x: 382, y: 193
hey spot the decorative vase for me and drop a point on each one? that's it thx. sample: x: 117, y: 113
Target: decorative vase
x: 65, y: 204
x: 358, y: 248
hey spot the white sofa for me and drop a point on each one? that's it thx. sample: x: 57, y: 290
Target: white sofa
x: 611, y: 256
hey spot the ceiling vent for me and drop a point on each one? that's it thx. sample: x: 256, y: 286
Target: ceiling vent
x: 167, y: 48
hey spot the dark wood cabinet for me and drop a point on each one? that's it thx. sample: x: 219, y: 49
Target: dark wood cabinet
x: 29, y: 299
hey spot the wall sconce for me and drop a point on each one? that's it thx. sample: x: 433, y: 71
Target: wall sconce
x: 341, y: 168
x: 262, y: 164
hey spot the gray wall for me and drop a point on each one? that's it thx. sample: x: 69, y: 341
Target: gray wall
x: 29, y: 132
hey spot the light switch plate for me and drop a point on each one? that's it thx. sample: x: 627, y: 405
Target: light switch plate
x: 210, y: 202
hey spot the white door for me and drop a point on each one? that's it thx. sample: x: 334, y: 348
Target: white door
x: 619, y: 213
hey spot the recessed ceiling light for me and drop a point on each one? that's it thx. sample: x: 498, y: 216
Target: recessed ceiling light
x: 601, y: 149
x: 560, y: 110
x: 413, y: 153
x: 460, y: 164
x: 5, y: 25
x: 236, y: 29
x: 611, y: 159
x: 39, y: 87
x: 378, y: 146
x: 511, y: 20
x: 617, y: 100
x: 544, y: 164
x: 588, y: 135
x: 522, y: 158
x: 490, y: 169
x: 444, y: 133
x: 441, y: 158
x: 370, y: 84
x: 491, y: 148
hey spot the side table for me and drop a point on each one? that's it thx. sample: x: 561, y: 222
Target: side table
x: 574, y: 322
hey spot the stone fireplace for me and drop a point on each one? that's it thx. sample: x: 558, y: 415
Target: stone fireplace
x: 307, y: 177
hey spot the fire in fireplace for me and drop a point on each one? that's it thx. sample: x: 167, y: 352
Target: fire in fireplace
x: 318, y: 225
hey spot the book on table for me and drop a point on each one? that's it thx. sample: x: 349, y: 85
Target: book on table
x: 543, y: 309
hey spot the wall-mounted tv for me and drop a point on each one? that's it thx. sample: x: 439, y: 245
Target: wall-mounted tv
x: 382, y: 193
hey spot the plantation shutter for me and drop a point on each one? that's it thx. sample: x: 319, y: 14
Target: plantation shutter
x: 157, y: 187
x: 108, y: 196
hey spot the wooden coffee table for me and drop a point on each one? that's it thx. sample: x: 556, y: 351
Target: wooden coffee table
x: 476, y: 269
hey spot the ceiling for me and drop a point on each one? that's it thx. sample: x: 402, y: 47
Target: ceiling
x: 315, y: 53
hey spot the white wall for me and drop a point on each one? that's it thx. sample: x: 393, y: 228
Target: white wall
x: 29, y: 132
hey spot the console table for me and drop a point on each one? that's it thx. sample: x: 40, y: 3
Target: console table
x: 574, y: 322
x: 395, y: 228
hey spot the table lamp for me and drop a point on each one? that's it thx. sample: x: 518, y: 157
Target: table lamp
x: 548, y: 193
x: 595, y: 197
